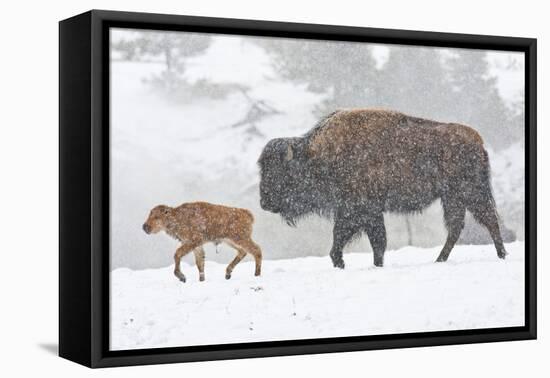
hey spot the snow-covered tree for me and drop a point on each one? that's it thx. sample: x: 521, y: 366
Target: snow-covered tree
x: 414, y: 81
x: 476, y: 98
x: 345, y: 70
x: 171, y: 49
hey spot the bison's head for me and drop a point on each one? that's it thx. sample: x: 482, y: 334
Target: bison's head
x: 157, y: 219
x: 286, y: 186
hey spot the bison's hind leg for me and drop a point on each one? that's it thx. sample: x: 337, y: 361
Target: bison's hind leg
x: 454, y: 211
x: 484, y: 211
x: 481, y: 203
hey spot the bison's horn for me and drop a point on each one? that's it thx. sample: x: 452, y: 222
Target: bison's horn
x: 289, y: 153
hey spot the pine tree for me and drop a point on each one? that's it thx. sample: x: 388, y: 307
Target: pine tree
x: 477, y: 100
x: 414, y: 81
x: 345, y: 71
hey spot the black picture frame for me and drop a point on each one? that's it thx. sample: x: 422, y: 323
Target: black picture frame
x: 84, y: 188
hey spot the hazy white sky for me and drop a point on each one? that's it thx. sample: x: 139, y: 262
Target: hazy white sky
x: 507, y: 67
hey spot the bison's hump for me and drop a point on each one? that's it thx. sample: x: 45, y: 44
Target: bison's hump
x: 348, y: 127
x: 347, y: 130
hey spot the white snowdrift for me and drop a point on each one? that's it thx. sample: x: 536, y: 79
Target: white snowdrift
x: 307, y: 298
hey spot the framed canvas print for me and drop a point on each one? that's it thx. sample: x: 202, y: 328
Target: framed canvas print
x: 235, y: 188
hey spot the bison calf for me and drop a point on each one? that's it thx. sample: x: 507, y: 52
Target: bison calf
x: 197, y: 223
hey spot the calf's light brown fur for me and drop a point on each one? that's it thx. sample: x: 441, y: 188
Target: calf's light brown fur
x: 197, y: 223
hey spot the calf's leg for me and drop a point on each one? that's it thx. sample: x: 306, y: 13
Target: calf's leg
x: 199, y: 260
x: 240, y: 255
x: 244, y: 246
x: 254, y: 249
x: 180, y: 252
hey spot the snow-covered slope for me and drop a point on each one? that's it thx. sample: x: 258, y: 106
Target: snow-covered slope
x: 307, y: 298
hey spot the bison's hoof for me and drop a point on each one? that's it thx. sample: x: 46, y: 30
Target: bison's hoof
x: 502, y: 255
x: 227, y: 276
x: 182, y: 279
x: 379, y: 264
x: 201, y: 278
x: 339, y: 264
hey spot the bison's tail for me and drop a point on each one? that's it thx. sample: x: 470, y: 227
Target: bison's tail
x: 480, y: 198
x: 486, y: 182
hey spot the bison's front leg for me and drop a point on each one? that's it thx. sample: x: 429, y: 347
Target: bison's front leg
x: 376, y: 231
x: 344, y: 229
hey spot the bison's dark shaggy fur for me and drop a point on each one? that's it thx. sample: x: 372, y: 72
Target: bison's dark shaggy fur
x: 354, y: 165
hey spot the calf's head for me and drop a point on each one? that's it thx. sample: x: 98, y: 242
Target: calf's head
x: 285, y: 181
x: 157, y: 219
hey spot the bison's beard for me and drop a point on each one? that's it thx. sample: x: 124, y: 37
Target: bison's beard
x: 290, y: 219
x: 293, y: 211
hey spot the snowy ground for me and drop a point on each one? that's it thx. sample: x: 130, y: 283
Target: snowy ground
x: 307, y: 298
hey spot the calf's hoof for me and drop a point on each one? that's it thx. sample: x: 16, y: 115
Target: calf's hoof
x: 227, y: 276
x: 339, y: 264
x: 201, y: 278
x: 502, y: 255
x: 179, y: 275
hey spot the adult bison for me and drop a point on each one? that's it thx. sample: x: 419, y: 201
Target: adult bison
x: 356, y: 164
